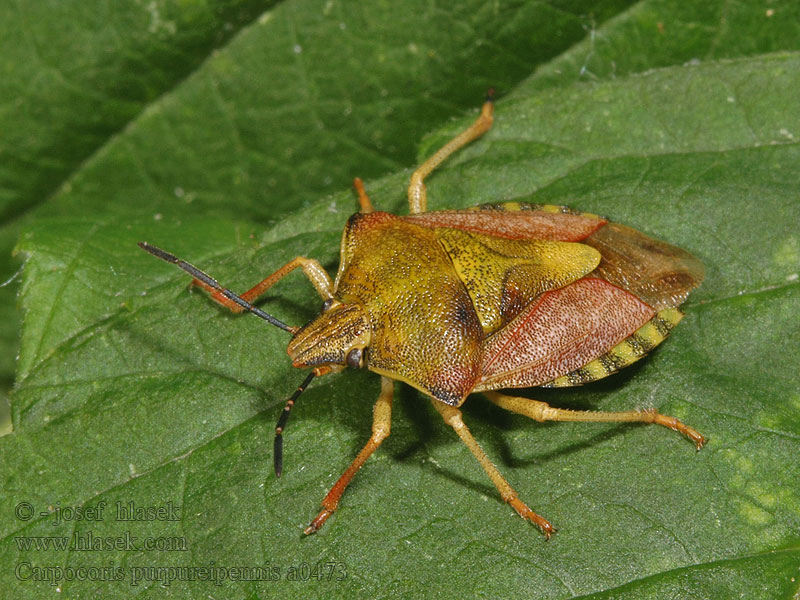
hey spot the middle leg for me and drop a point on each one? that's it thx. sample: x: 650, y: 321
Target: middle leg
x: 452, y: 416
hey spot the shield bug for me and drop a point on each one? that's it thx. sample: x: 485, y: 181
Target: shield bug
x: 498, y: 296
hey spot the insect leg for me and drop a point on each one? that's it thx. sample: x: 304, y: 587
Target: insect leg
x: 417, y: 196
x: 381, y: 426
x: 541, y: 411
x: 452, y: 416
x: 363, y: 199
x: 316, y: 274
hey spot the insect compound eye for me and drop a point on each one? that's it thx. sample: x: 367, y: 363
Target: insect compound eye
x: 354, y: 358
x: 327, y: 304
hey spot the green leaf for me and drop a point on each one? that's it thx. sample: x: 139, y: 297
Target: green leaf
x: 73, y: 74
x: 233, y: 107
x: 131, y: 389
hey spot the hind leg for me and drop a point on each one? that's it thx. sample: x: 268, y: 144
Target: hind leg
x: 417, y: 196
x: 541, y: 411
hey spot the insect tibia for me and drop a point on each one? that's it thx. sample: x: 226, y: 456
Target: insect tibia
x: 220, y: 294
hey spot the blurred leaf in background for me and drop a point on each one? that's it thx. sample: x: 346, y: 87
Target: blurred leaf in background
x: 229, y: 132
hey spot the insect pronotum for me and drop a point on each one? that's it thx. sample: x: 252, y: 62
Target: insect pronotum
x: 498, y: 296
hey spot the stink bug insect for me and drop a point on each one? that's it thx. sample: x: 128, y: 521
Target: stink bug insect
x: 459, y: 301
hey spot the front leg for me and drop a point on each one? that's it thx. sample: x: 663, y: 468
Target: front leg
x: 381, y: 426
x: 313, y: 270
